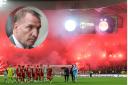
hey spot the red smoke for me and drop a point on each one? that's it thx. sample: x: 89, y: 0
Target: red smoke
x: 62, y: 48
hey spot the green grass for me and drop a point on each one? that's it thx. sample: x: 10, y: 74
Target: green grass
x: 81, y: 81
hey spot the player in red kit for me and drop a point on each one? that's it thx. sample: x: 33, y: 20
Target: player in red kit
x: 34, y: 75
x: 37, y: 73
x: 49, y: 74
x: 23, y: 72
x: 18, y: 73
x: 41, y: 72
x: 28, y: 72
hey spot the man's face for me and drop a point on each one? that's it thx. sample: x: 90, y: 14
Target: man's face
x: 27, y: 29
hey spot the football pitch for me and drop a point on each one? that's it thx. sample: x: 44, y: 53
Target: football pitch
x: 81, y: 81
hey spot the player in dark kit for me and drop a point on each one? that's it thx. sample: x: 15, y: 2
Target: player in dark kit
x: 66, y: 74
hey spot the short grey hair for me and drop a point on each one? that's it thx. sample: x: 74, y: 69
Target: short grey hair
x: 22, y: 12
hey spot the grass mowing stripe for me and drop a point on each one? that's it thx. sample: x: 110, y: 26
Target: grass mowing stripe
x: 81, y: 81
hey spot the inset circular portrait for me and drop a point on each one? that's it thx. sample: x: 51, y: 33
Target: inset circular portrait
x: 27, y: 27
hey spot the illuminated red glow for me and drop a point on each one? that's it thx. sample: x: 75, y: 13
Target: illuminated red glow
x: 63, y: 48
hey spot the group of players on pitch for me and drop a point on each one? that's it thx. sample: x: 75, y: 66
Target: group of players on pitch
x: 28, y: 73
